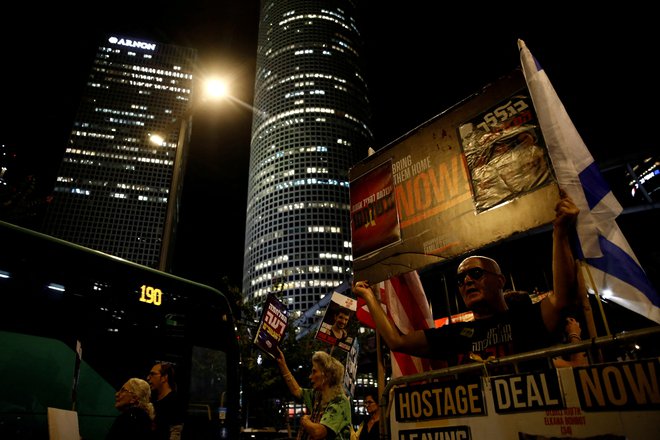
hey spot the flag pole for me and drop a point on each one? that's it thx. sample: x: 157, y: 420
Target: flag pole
x: 587, y: 310
x: 584, y: 302
x: 447, y: 303
x: 380, y: 382
x: 598, y: 298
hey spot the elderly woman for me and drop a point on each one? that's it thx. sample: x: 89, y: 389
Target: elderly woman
x: 328, y: 409
x: 137, y: 412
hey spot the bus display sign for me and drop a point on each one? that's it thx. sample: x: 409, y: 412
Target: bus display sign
x: 151, y: 295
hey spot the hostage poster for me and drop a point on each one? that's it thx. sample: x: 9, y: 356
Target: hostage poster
x: 336, y: 328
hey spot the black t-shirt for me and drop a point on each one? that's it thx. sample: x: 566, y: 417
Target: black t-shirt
x: 517, y: 330
x: 169, y: 412
x: 374, y: 434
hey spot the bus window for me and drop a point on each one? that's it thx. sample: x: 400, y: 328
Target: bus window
x: 75, y: 324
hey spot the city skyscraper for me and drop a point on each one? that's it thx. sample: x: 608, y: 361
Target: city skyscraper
x: 114, y: 184
x: 311, y: 124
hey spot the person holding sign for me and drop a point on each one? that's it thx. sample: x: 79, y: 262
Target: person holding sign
x: 499, y: 328
x: 328, y: 408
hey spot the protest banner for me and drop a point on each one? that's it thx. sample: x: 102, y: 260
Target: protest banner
x: 272, y: 326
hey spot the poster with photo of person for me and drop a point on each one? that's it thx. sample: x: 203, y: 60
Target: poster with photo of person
x: 334, y: 328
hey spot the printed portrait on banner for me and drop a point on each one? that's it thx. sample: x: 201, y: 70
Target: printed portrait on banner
x: 374, y: 217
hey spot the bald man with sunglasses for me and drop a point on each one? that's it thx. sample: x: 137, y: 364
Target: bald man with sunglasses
x: 499, y: 328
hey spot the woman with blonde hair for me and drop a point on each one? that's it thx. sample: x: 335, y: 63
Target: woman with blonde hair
x: 135, y: 422
x: 328, y: 409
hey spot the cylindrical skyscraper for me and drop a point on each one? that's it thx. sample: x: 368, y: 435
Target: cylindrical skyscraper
x: 311, y: 124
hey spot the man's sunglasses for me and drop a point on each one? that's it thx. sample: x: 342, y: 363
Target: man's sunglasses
x: 475, y: 273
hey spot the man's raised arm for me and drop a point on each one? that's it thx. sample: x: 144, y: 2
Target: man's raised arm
x: 564, y: 272
x: 414, y: 343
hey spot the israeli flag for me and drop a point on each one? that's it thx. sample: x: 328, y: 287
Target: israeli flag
x: 612, y: 265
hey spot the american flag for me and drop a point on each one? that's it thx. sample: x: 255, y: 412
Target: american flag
x: 406, y: 304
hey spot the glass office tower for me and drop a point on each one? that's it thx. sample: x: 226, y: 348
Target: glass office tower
x: 311, y: 124
x: 114, y: 184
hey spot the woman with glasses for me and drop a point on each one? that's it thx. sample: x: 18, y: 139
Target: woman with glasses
x: 137, y: 412
x: 499, y: 328
x: 369, y: 428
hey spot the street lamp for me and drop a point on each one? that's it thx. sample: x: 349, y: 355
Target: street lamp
x: 215, y: 89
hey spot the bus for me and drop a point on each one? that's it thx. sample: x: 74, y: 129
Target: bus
x: 75, y: 324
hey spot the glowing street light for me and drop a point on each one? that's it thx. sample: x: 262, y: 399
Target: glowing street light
x: 215, y: 89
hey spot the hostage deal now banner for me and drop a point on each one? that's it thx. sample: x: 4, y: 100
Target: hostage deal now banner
x: 607, y: 401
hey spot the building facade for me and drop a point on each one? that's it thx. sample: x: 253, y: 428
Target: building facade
x: 114, y: 184
x: 311, y: 124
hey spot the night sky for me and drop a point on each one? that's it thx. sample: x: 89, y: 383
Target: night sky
x: 420, y: 62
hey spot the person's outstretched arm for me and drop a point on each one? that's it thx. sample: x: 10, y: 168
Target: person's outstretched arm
x: 291, y: 382
x: 414, y: 343
x: 564, y: 272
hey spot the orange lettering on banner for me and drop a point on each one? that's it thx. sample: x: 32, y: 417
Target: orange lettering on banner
x: 444, y: 181
x: 432, y: 191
